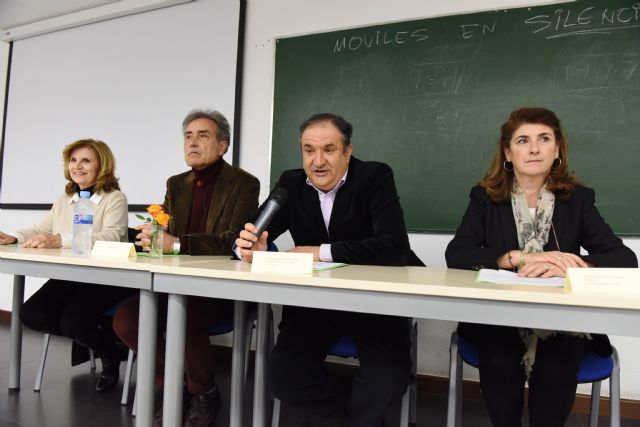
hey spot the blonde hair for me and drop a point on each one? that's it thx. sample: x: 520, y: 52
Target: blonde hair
x: 106, y: 180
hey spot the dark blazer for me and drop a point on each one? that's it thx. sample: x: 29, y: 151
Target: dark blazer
x: 367, y: 223
x: 488, y: 230
x: 235, y: 199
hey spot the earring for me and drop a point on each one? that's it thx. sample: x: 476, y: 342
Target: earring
x: 507, y: 165
x: 556, y: 163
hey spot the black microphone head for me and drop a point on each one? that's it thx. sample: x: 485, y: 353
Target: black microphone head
x: 279, y: 195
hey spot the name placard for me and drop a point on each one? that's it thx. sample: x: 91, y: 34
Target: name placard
x: 282, y: 263
x: 113, y: 249
x: 603, y: 280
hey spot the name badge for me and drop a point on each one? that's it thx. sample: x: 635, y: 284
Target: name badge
x: 604, y: 280
x: 282, y: 263
x: 113, y: 249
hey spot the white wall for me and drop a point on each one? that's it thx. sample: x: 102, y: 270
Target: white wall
x: 270, y: 19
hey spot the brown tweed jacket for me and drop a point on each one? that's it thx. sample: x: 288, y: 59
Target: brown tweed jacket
x: 235, y: 200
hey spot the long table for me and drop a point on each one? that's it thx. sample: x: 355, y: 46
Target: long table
x: 428, y: 293
x: 126, y: 272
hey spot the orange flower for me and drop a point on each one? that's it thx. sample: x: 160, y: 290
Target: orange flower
x: 162, y: 218
x: 154, y: 210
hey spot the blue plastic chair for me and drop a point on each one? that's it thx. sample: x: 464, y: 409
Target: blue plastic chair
x: 593, y: 369
x: 345, y: 347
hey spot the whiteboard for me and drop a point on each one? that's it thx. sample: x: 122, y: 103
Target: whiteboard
x: 129, y: 82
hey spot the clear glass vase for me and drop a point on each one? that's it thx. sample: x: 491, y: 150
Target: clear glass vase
x: 155, y: 248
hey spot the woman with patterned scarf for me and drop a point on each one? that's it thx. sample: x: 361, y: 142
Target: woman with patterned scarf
x: 529, y: 214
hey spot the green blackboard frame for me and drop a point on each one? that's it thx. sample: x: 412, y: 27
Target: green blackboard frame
x: 428, y: 96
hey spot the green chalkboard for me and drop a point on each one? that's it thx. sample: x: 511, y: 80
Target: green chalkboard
x: 428, y: 97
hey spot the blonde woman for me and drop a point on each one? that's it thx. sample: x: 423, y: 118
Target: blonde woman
x: 69, y: 308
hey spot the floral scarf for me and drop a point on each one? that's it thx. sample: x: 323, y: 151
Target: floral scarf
x: 533, y: 235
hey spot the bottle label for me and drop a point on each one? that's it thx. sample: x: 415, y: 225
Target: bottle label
x: 83, y: 218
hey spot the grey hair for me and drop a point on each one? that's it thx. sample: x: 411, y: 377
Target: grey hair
x: 224, y: 130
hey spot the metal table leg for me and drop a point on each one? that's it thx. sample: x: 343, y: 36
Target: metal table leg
x: 15, y: 354
x: 174, y: 360
x: 260, y: 384
x: 238, y: 363
x: 147, y: 332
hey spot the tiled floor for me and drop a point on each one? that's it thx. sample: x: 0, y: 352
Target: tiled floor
x: 68, y: 397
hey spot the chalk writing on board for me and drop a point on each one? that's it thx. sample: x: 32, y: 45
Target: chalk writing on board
x: 590, y: 20
x: 379, y: 38
x: 470, y: 30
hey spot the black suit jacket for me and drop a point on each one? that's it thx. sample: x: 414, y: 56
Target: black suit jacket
x: 235, y: 199
x: 488, y: 230
x: 367, y: 223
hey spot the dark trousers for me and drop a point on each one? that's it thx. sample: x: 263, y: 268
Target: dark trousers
x: 201, y: 313
x: 552, y: 381
x: 71, y: 309
x: 297, y: 374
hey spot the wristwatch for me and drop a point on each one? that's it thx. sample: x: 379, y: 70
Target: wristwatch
x: 176, y: 246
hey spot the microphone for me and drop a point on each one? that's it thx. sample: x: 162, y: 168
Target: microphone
x: 275, y: 201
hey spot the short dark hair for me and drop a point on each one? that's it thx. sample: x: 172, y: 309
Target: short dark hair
x: 345, y: 128
x: 224, y: 130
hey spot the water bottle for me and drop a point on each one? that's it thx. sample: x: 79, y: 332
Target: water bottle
x: 82, y: 225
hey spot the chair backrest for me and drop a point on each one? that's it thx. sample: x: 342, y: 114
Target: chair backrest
x: 345, y: 347
x: 225, y: 325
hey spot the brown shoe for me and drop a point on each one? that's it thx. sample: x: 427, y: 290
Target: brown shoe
x: 203, y: 409
x: 157, y: 417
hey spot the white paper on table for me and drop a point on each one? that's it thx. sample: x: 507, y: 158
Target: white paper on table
x: 321, y: 266
x: 506, y: 277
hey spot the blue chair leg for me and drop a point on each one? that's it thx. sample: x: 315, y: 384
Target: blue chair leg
x: 43, y: 359
x: 413, y: 392
x: 614, y: 390
x: 594, y: 407
x: 92, y: 360
x: 408, y: 406
x: 454, y: 407
x: 275, y: 417
x: 127, y: 379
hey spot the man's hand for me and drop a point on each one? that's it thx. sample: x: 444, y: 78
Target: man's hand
x: 248, y: 242
x: 143, y: 239
x: 315, y: 250
x: 5, y: 239
x: 51, y: 241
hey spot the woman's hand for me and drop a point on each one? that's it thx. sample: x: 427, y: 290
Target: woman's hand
x: 5, y: 239
x: 550, y: 264
x: 49, y: 241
